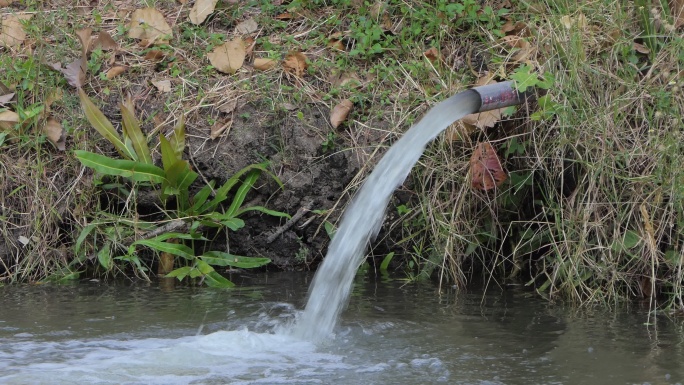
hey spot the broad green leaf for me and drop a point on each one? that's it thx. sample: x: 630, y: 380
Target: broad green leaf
x: 524, y: 78
x: 175, y: 235
x: 82, y: 236
x: 137, y: 171
x: 220, y: 258
x: 181, y: 176
x: 167, y: 153
x: 201, y: 197
x: 229, y: 221
x: 264, y: 210
x: 102, y: 124
x: 180, y: 272
x: 386, y: 261
x: 203, y: 267
x: 131, y: 128
x: 177, y: 140
x: 241, y: 193
x: 216, y: 280
x: 222, y: 192
x: 129, y: 147
x: 166, y: 247
x: 104, y: 256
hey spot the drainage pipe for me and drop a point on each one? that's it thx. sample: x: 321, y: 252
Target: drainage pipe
x: 499, y: 95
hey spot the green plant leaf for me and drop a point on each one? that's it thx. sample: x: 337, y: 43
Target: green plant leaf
x: 386, y: 261
x: 524, y: 78
x: 241, y: 193
x: 263, y: 210
x: 166, y: 247
x: 131, y: 129
x: 137, y: 171
x: 234, y: 224
x: 216, y: 280
x: 104, y: 256
x: 177, y: 140
x: 175, y: 235
x: 222, y: 192
x: 181, y: 176
x: 102, y: 124
x: 168, y: 155
x: 179, y: 273
x: 220, y: 258
x: 82, y: 236
x: 201, y: 197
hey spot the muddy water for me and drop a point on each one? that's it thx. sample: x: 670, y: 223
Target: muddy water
x: 391, y: 333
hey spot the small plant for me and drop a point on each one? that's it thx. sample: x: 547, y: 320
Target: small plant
x: 173, y: 239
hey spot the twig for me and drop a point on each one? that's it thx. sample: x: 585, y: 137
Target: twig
x: 298, y: 215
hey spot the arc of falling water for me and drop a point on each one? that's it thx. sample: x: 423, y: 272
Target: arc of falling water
x: 329, y: 292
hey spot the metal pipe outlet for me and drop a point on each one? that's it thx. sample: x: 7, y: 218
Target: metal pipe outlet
x: 499, y: 95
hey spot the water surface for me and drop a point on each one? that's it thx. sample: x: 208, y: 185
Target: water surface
x: 391, y: 333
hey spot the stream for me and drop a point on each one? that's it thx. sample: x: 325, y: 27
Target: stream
x: 392, y: 332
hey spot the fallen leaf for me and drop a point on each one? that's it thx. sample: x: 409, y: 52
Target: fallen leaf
x: 162, y: 85
x: 346, y: 78
x: 148, y: 23
x: 432, y: 54
x: 201, y: 10
x: 105, y: 42
x: 340, y: 112
x: 8, y: 119
x: 677, y: 9
x: 5, y: 3
x: 483, y: 119
x: 228, y: 106
x: 336, y: 44
x: 228, y: 58
x: 249, y: 45
x: 219, y: 127
x: 74, y: 72
x: 84, y: 37
x: 263, y: 64
x: 246, y: 27
x: 295, y: 63
x: 284, y: 16
x: 155, y: 55
x: 115, y: 71
x: 485, y: 168
x: 55, y: 133
x: 641, y: 48
x: 12, y: 33
x: 5, y: 99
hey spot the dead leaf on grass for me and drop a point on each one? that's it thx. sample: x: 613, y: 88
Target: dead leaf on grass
x: 641, y: 48
x: 155, y: 55
x: 162, y: 85
x: 201, y: 10
x: 115, y: 71
x: 5, y: 99
x: 246, y: 27
x: 55, y: 133
x: 12, y: 33
x: 432, y: 54
x: 284, y: 16
x: 5, y: 3
x: 228, y: 57
x: 148, y: 24
x: 105, y: 42
x: 8, y: 119
x: 74, y: 72
x: 221, y: 126
x: 264, y: 64
x: 486, y: 172
x: 228, y: 106
x: 346, y: 78
x: 677, y: 8
x: 295, y: 63
x: 340, y: 112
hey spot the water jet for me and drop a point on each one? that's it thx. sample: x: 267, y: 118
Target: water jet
x: 361, y: 221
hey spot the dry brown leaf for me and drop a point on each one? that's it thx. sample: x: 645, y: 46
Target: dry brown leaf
x: 284, y: 16
x: 115, y: 71
x: 485, y: 168
x: 295, y: 63
x: 162, y: 85
x: 5, y: 99
x: 5, y: 3
x: 74, y: 72
x: 345, y: 78
x: 201, y: 10
x: 228, y: 58
x: 55, y: 133
x: 336, y: 44
x: 432, y: 54
x: 340, y: 112
x: 246, y: 27
x: 155, y: 55
x: 263, y: 64
x: 641, y: 48
x: 249, y: 45
x: 228, y: 106
x: 677, y: 8
x: 8, y: 119
x: 12, y: 33
x: 221, y: 126
x: 105, y: 42
x: 149, y: 24
x: 483, y: 119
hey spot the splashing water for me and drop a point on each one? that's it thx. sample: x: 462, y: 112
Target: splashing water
x: 362, y: 220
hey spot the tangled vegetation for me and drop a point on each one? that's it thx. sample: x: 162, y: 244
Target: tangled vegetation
x: 590, y: 207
